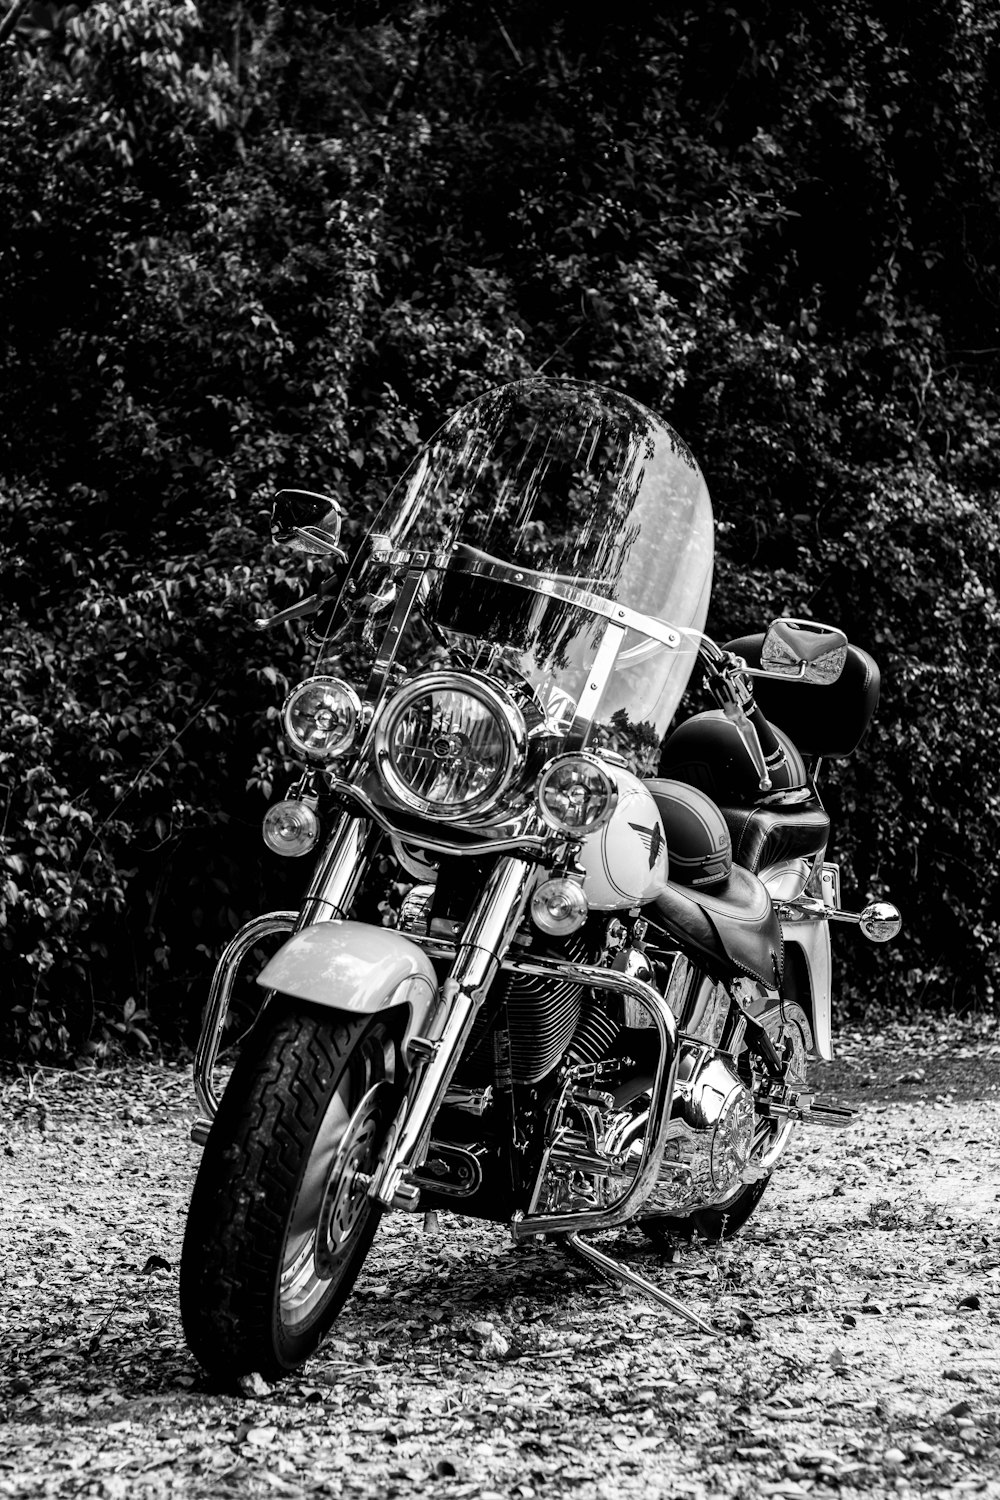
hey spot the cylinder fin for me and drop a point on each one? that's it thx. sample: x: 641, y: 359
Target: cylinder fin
x: 595, y: 1035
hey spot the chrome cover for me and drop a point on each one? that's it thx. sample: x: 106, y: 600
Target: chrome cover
x: 451, y: 1169
x: 415, y: 912
x: 596, y: 1147
x: 441, y: 749
x: 710, y: 1137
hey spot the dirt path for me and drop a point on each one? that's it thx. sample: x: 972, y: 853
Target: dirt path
x: 859, y: 1317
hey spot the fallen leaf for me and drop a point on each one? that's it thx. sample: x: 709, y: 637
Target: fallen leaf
x: 260, y: 1437
x: 155, y: 1263
x: 254, y: 1386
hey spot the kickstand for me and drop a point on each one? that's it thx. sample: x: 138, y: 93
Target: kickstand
x: 613, y: 1272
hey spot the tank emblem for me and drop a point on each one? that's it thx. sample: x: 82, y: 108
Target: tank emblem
x: 652, y: 838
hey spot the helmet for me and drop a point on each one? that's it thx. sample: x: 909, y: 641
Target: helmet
x: 706, y: 752
x: 626, y: 860
x: 701, y: 851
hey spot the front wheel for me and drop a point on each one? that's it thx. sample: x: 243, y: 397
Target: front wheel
x: 280, y: 1221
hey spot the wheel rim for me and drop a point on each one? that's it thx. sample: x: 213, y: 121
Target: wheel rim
x: 794, y: 1038
x: 346, y: 1198
x: 331, y: 1200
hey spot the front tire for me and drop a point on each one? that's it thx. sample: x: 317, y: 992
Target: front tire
x: 280, y: 1221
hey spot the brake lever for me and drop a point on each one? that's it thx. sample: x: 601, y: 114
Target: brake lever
x: 304, y: 608
x: 733, y: 691
x: 737, y: 716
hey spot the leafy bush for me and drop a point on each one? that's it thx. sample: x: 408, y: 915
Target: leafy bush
x: 267, y: 246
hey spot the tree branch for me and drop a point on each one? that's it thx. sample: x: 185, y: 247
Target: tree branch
x: 11, y: 19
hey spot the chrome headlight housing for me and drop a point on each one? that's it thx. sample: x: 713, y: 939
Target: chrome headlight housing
x: 450, y: 745
x: 576, y: 793
x: 321, y: 717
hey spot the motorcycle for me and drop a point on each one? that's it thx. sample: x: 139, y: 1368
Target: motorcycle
x: 588, y: 989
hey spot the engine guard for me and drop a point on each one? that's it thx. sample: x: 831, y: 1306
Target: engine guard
x: 346, y: 966
x: 357, y: 968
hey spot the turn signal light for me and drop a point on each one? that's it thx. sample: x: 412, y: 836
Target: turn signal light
x: 291, y: 828
x: 880, y: 922
x: 559, y: 906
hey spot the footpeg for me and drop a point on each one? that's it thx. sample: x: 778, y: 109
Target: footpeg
x: 406, y: 1196
x: 612, y: 1271
x: 821, y: 1112
x: 807, y: 1110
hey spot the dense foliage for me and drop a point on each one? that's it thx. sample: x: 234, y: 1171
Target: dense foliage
x: 261, y: 244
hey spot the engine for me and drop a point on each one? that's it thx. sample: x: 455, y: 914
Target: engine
x: 541, y: 1020
x: 598, y: 1145
x: 537, y: 1017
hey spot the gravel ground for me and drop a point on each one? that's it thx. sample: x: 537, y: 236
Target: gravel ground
x: 858, y: 1317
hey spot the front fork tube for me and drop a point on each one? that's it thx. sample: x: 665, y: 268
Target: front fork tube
x: 434, y: 1058
x: 338, y: 874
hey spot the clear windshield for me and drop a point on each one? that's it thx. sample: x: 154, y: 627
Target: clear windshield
x: 552, y: 499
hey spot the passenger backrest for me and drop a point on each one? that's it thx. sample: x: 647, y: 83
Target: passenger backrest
x: 827, y: 721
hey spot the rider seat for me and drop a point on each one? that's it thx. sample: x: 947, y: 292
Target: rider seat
x: 712, y: 905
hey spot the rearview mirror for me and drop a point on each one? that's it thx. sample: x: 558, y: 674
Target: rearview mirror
x: 307, y: 522
x: 804, y: 649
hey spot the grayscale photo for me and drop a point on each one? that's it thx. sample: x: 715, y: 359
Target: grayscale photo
x: 499, y: 766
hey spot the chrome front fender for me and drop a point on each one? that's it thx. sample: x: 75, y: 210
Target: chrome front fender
x: 357, y: 968
x: 348, y: 966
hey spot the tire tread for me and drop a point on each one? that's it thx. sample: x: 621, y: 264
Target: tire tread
x: 245, y: 1191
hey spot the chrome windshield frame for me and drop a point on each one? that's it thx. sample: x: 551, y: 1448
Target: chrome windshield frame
x: 411, y: 567
x: 568, y: 593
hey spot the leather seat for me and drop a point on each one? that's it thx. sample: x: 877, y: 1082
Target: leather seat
x: 712, y: 904
x: 734, y: 927
x: 787, y: 825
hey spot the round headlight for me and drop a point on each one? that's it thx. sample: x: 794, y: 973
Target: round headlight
x: 450, y: 745
x: 321, y: 717
x: 576, y: 794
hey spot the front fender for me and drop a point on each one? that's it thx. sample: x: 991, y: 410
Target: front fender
x: 354, y: 967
